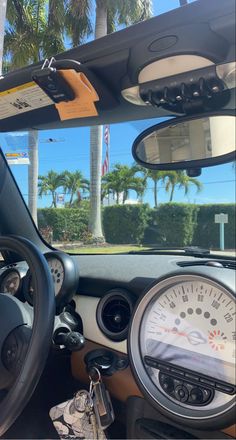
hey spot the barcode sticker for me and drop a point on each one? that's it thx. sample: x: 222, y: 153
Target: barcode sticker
x: 22, y: 99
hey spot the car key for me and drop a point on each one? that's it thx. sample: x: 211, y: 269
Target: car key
x: 101, y: 400
x: 102, y: 405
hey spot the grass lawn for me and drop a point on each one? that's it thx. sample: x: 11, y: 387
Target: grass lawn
x: 116, y: 249
x: 122, y: 248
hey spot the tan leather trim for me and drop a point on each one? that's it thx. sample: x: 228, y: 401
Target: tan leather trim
x: 230, y: 431
x: 121, y: 385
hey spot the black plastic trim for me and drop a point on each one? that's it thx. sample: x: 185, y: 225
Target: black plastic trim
x: 112, y: 295
x: 190, y: 375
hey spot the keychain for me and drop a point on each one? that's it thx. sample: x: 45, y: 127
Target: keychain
x: 87, y: 415
x: 101, y: 400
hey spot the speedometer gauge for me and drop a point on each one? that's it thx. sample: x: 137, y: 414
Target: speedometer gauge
x: 182, y: 347
x: 192, y: 324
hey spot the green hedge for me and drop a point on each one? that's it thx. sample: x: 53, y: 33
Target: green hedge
x: 207, y: 231
x: 172, y: 224
x: 125, y: 223
x: 67, y: 224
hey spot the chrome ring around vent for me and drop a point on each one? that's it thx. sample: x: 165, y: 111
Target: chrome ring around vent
x: 114, y: 313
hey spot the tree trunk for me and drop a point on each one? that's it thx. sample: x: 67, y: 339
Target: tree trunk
x: 3, y: 10
x: 54, y: 199
x: 33, y: 174
x: 124, y: 197
x: 101, y: 19
x: 71, y: 198
x: 155, y: 193
x: 172, y: 192
x: 95, y: 223
x: 96, y: 133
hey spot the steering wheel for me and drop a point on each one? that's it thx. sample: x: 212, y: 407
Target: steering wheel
x: 25, y: 337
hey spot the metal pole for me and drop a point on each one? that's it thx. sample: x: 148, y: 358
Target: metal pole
x: 3, y: 11
x: 222, y: 236
x: 108, y: 151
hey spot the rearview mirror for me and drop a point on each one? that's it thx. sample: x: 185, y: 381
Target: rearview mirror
x: 187, y: 142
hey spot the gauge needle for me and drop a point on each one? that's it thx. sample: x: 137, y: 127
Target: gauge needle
x: 194, y: 337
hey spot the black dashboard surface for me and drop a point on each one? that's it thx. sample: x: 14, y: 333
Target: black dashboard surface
x: 100, y: 273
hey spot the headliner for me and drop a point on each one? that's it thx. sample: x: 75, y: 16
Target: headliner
x: 112, y: 63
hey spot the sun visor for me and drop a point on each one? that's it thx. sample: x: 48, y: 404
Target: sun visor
x: 89, y: 96
x: 126, y: 75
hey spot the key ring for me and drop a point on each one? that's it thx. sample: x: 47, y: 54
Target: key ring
x: 95, y: 380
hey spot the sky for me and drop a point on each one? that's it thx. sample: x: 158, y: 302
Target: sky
x: 71, y: 151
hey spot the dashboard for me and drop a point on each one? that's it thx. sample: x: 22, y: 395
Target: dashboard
x: 173, y: 316
x: 181, y: 333
x: 17, y: 280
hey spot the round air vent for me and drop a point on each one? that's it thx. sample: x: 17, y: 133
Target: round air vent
x: 113, y: 314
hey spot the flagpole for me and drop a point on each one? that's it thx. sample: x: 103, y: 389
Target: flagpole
x: 108, y: 155
x: 106, y: 162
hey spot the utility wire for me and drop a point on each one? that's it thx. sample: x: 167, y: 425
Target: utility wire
x: 148, y: 188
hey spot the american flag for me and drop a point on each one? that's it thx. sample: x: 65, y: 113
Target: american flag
x: 105, y: 165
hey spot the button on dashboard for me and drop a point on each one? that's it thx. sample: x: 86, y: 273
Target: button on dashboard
x: 196, y: 395
x: 168, y: 384
x: 207, y: 382
x: 192, y: 377
x: 176, y: 371
x: 224, y: 388
x: 164, y: 367
x: 181, y: 393
x: 150, y: 362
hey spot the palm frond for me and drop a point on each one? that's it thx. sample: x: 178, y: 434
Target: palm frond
x: 77, y: 20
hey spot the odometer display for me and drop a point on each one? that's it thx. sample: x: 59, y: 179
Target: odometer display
x: 192, y: 324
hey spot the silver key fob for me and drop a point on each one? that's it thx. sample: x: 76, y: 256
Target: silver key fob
x: 102, y: 405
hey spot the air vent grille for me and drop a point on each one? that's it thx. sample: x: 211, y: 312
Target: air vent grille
x: 114, y: 313
x: 228, y: 264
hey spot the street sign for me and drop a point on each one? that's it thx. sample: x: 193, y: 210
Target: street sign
x: 17, y: 158
x: 221, y: 218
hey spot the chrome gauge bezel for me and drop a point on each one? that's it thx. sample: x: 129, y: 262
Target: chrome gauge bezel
x: 69, y: 283
x: 5, y: 274
x: 201, y: 417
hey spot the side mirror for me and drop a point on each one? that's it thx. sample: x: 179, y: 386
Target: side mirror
x: 189, y: 142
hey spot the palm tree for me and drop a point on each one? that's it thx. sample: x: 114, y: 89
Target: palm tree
x: 121, y: 180
x: 179, y: 178
x: 155, y: 176
x: 49, y: 184
x: 109, y: 14
x: 74, y: 182
x: 33, y: 34
x: 3, y: 10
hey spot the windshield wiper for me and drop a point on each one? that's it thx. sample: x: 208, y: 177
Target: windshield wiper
x: 187, y: 250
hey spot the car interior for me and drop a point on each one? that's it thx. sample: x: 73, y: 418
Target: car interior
x: 156, y: 326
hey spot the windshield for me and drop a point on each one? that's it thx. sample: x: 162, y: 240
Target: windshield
x: 139, y: 209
